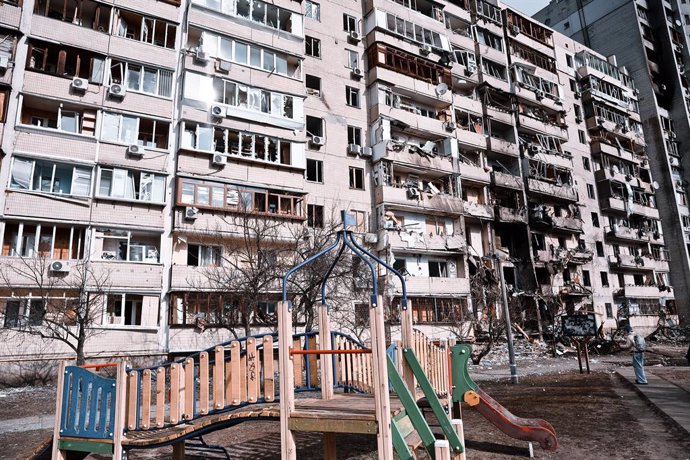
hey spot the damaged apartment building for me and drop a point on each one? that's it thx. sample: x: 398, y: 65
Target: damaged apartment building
x: 471, y: 143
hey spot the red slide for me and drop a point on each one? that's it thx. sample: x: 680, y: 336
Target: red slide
x: 525, y: 429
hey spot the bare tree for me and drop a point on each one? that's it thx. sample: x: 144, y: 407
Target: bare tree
x: 63, y: 306
x: 247, y: 271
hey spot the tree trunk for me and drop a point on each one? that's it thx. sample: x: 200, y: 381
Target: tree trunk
x: 81, y: 341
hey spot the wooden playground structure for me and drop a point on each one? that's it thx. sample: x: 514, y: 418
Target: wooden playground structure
x: 348, y: 386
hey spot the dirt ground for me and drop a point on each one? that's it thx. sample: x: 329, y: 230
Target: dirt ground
x: 596, y: 416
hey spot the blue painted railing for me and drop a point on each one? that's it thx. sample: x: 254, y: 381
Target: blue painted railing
x: 88, y: 405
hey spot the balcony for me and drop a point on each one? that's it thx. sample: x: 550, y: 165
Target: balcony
x: 503, y: 146
x: 478, y: 210
x: 474, y: 173
x: 131, y: 274
x: 47, y: 206
x: 641, y: 291
x: 185, y: 277
x: 69, y: 34
x: 580, y: 255
x: 644, y: 210
x: 573, y: 289
x: 545, y: 255
x: 410, y: 157
x: 470, y: 139
x: 407, y: 83
x: 403, y: 241
x: 602, y: 147
x: 500, y: 179
x: 10, y: 16
x: 634, y: 234
x: 424, y: 286
x: 567, y: 224
x: 542, y: 127
x: 611, y: 204
x: 562, y: 192
x: 510, y: 215
x: 414, y: 123
x: 421, y: 202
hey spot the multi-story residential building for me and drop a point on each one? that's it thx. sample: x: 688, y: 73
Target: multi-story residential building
x: 460, y: 134
x: 647, y: 37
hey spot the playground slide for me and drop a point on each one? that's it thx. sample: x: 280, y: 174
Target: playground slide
x: 524, y: 429
x: 465, y: 389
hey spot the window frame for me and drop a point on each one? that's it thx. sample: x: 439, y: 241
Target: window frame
x: 354, y: 172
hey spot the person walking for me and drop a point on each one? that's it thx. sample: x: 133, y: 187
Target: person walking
x: 636, y: 343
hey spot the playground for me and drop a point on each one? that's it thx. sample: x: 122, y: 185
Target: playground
x: 325, y: 394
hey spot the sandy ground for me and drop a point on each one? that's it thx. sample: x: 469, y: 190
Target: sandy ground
x: 596, y: 416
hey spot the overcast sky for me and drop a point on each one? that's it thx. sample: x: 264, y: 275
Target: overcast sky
x: 527, y: 6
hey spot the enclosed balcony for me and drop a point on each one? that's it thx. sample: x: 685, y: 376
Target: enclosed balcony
x: 551, y: 181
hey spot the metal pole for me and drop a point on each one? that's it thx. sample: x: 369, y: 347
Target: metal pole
x: 509, y: 329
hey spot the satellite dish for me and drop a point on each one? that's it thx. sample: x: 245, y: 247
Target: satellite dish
x: 441, y: 89
x: 655, y: 185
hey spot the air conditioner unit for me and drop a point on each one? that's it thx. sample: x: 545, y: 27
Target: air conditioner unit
x: 218, y: 111
x: 515, y: 29
x: 80, y: 84
x: 191, y: 213
x: 224, y: 66
x: 200, y: 55
x: 539, y: 94
x: 135, y: 150
x: 449, y: 126
x: 219, y: 160
x: 354, y: 149
x: 366, y: 152
x: 317, y: 141
x: 354, y: 36
x: 425, y: 50
x: 117, y: 90
x: 4, y: 62
x: 60, y: 266
x: 357, y: 73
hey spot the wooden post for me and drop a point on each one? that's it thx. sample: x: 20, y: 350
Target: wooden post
x: 234, y: 376
x: 204, y: 386
x: 269, y: 378
x: 120, y: 405
x: 57, y: 453
x: 178, y: 451
x: 160, y: 397
x: 329, y: 449
x: 381, y: 394
x: 219, y: 378
x: 132, y: 390
x: 287, y: 382
x: 460, y: 430
x: 146, y: 399
x: 407, y: 336
x: 326, y: 360
x: 442, y: 450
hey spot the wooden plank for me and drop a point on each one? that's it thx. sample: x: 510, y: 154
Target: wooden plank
x: 235, y: 376
x: 219, y: 378
x: 95, y: 447
x: 228, y: 381
x: 243, y: 378
x: 189, y: 388
x: 132, y: 393
x: 326, y: 371
x: 287, y: 382
x: 178, y: 451
x: 442, y: 450
x: 332, y: 425
x: 297, y: 363
x: 253, y: 371
x: 146, y: 399
x: 384, y: 438
x: 203, y: 383
x: 340, y: 362
x: 56, y: 452
x: 313, y: 362
x: 120, y: 409
x: 174, y: 393
x: 160, y: 397
x: 269, y: 370
x: 329, y: 449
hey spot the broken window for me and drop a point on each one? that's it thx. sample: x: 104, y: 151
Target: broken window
x: 494, y: 69
x: 439, y: 310
x: 312, y: 46
x: 315, y: 215
x: 135, y: 26
x: 315, y: 126
x: 135, y: 77
x: 438, y: 269
x: 356, y: 178
x: 130, y: 130
x: 84, y: 13
x: 231, y: 198
x: 51, y: 241
x: 350, y: 23
x: 519, y: 24
x: 410, y: 31
x: 257, y: 11
x: 313, y: 85
x: 127, y: 246
x: 354, y: 135
x: 131, y: 185
x: 487, y: 38
x: 8, y: 43
x: 232, y: 50
x: 23, y: 312
x: 314, y: 170
x: 408, y: 64
x: 124, y: 309
x: 4, y: 100
x: 56, y: 115
x: 352, y: 96
x: 65, y: 61
x: 246, y: 97
x: 204, y: 256
x: 50, y: 177
x: 312, y: 10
